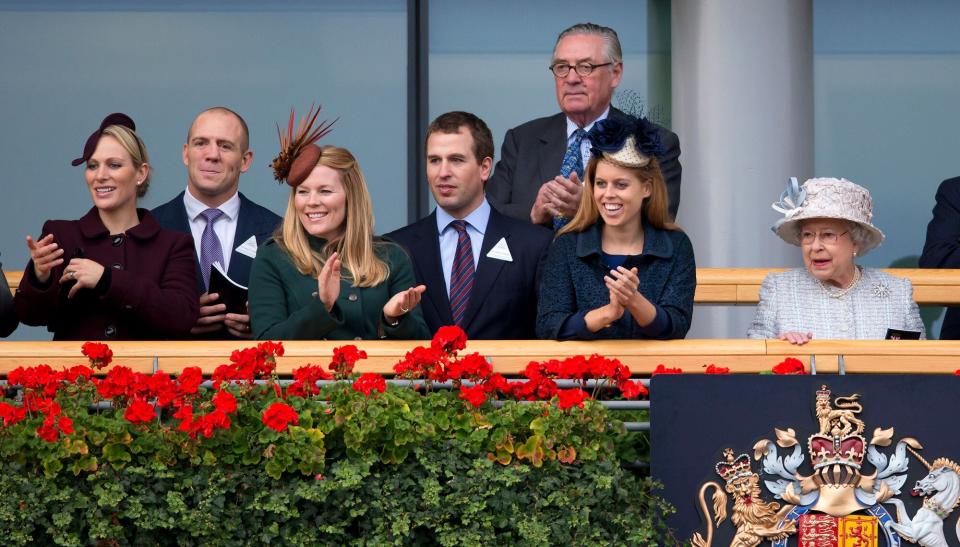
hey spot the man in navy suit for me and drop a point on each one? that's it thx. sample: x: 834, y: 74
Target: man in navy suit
x: 942, y: 246
x: 498, y: 299
x: 216, y: 152
x: 527, y: 184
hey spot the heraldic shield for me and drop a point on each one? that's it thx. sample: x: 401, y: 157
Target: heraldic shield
x: 837, y: 486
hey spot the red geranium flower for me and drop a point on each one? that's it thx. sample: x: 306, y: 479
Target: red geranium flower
x: 475, y: 395
x: 571, y: 397
x: 473, y: 366
x: 422, y: 362
x: 140, y: 412
x: 790, y: 366
x: 99, y: 354
x: 714, y: 369
x: 632, y: 389
x: 449, y: 339
x: 279, y: 416
x: 343, y: 360
x: 225, y: 402
x: 665, y: 370
x: 11, y: 414
x: 370, y: 382
x: 190, y: 379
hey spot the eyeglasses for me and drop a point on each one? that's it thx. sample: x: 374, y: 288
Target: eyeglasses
x: 560, y: 70
x: 827, y: 238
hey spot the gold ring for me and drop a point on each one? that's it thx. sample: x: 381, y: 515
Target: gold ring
x: 404, y: 310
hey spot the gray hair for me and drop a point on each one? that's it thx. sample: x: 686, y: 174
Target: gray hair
x: 613, y: 51
x: 859, y: 235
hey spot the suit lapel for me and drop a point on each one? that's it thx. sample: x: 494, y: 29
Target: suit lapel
x: 488, y: 269
x: 181, y: 222
x: 240, y: 263
x: 427, y: 254
x: 553, y: 147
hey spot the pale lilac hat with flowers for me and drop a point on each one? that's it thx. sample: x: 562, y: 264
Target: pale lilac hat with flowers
x: 826, y: 198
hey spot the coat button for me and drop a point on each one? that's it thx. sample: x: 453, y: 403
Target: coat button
x: 117, y: 240
x: 128, y: 306
x: 352, y: 297
x: 110, y: 331
x: 117, y: 266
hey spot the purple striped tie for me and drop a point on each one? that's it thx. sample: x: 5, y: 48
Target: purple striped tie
x: 461, y: 277
x: 210, y: 249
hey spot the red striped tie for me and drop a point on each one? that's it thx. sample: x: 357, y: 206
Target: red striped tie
x: 461, y: 276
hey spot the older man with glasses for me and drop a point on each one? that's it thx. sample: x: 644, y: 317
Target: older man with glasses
x: 540, y: 172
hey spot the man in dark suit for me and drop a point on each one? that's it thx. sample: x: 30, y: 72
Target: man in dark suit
x: 497, y: 299
x: 224, y: 224
x: 942, y: 247
x: 534, y: 179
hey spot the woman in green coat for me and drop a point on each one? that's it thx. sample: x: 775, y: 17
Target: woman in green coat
x: 324, y: 275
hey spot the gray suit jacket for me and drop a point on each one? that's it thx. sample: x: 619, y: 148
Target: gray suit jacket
x: 532, y: 153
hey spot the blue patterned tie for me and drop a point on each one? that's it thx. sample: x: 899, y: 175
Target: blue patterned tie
x: 210, y: 249
x: 461, y: 276
x: 572, y: 162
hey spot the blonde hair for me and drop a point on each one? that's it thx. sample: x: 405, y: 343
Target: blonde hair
x: 654, y: 208
x: 134, y: 146
x: 355, y: 245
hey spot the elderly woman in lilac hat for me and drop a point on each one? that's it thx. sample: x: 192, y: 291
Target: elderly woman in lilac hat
x: 831, y: 297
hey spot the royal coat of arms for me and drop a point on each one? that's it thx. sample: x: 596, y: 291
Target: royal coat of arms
x: 837, y: 503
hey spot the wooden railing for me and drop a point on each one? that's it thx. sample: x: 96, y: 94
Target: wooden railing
x: 741, y: 286
x: 509, y: 357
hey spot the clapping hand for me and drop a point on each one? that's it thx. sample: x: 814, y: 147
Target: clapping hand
x: 623, y: 285
x: 46, y: 255
x: 328, y: 282
x: 402, y: 302
x: 84, y: 271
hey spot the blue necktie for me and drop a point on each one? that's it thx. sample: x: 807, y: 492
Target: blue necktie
x: 210, y: 249
x: 572, y: 162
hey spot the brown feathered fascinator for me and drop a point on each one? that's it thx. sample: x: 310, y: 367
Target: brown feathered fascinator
x: 298, y: 153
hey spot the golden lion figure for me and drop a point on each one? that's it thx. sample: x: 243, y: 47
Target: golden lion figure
x: 842, y: 420
x: 755, y: 519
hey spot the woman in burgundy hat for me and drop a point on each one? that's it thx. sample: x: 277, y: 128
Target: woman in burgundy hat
x: 114, y: 274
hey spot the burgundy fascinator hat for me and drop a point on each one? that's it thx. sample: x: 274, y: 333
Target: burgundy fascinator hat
x: 117, y: 118
x: 298, y: 153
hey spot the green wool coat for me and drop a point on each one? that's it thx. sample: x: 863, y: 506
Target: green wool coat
x: 283, y: 305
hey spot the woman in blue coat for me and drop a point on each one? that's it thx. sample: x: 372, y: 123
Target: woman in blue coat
x: 620, y: 268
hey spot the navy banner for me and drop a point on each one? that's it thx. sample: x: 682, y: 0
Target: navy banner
x: 809, y: 460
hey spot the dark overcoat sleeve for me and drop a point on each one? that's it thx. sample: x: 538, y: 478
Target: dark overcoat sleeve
x: 942, y: 246
x: 8, y: 316
x: 37, y: 303
x: 558, y: 296
x: 500, y: 187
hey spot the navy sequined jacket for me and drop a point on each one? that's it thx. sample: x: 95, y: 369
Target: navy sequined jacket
x: 573, y: 283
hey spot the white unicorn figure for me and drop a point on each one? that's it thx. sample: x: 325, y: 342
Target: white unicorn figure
x: 941, y: 487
